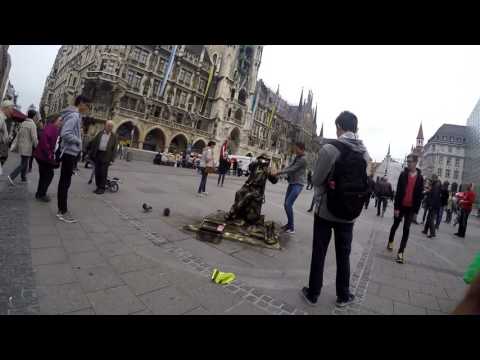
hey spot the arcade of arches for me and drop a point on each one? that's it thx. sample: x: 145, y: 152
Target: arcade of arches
x: 126, y: 136
x: 178, y: 144
x: 155, y: 140
x: 234, y: 142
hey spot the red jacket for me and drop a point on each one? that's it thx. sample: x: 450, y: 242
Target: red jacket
x: 467, y: 200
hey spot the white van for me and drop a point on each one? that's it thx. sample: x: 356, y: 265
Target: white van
x: 243, y: 162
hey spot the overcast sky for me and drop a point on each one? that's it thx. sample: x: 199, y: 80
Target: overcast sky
x: 391, y: 89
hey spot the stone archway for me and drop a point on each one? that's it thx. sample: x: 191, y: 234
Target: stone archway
x: 155, y: 140
x: 234, y: 142
x: 178, y: 144
x: 124, y: 132
x: 198, y: 146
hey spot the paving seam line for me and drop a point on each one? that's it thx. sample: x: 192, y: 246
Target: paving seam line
x: 247, y: 293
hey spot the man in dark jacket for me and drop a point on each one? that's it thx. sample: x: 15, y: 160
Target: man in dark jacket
x: 433, y: 203
x: 407, y: 202
x: 371, y: 190
x: 103, y: 151
x: 384, y: 192
x: 443, y: 202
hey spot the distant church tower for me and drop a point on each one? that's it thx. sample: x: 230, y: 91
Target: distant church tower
x: 419, y: 146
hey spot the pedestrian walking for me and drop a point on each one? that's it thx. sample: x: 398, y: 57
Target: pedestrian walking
x: 465, y: 203
x: 407, y: 202
x: 433, y: 204
x: 340, y: 185
x: 24, y: 143
x: 309, y: 180
x: 371, y: 190
x: 296, y: 180
x: 206, y: 167
x: 70, y: 147
x: 449, y: 209
x: 384, y: 192
x: 443, y: 204
x: 39, y: 124
x: 222, y: 163
x: 45, y: 156
x: 103, y: 152
x: 6, y: 110
x: 425, y: 200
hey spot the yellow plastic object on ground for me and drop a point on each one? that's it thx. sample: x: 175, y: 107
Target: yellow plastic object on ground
x: 222, y: 278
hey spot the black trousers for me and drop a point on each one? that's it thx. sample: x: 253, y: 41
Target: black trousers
x: 221, y: 177
x: 407, y: 214
x: 46, y: 171
x: 66, y: 172
x: 21, y: 169
x: 101, y: 173
x: 322, y: 232
x: 431, y: 219
x: 462, y: 222
x: 382, y: 203
x: 367, y: 202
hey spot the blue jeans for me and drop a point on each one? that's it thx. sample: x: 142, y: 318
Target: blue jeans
x: 439, y: 216
x: 293, y: 191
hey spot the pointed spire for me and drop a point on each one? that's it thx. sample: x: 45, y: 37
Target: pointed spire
x: 321, y: 132
x: 420, y: 132
x: 388, y: 153
x: 300, y: 104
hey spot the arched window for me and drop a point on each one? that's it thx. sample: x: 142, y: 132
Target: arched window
x: 242, y: 96
x: 238, y: 115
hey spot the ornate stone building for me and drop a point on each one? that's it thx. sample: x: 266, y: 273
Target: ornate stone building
x: 212, y: 93
x: 5, y: 64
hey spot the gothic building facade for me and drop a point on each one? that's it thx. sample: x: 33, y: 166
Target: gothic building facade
x: 208, y: 92
x: 5, y: 65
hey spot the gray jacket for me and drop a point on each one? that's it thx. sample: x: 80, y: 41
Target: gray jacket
x: 70, y: 133
x: 324, y: 166
x: 296, y: 171
x: 27, y: 137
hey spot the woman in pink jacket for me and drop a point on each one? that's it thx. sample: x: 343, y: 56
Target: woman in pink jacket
x: 45, y: 156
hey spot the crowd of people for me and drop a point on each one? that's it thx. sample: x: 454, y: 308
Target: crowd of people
x: 339, y: 180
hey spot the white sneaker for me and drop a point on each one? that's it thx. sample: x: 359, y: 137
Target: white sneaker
x: 205, y: 193
x: 10, y: 180
x: 290, y: 231
x: 67, y: 217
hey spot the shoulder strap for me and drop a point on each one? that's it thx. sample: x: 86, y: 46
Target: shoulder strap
x: 340, y: 146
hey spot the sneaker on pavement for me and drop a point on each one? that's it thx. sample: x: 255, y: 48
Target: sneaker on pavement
x: 290, y: 231
x: 390, y: 246
x: 343, y: 303
x: 308, y: 299
x: 284, y: 227
x: 10, y: 180
x: 45, y: 198
x: 400, y: 258
x: 67, y: 217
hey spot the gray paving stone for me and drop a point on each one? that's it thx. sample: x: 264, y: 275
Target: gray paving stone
x: 88, y: 311
x: 198, y: 311
x: 87, y: 260
x: 168, y: 301
x: 98, y: 278
x: 405, y: 309
x: 93, y: 227
x: 54, y: 274
x: 435, y: 312
x: 45, y: 241
x: 101, y: 238
x: 43, y: 230
x: 245, y: 308
x: 144, y: 281
x: 393, y: 293
x: 114, y: 248
x: 77, y: 245
x: 46, y: 256
x: 433, y: 290
x: 378, y: 304
x: 143, y: 312
x: 135, y: 239
x: 61, y: 299
x: 423, y: 300
x: 447, y: 306
x: 130, y: 262
x: 115, y: 301
x: 373, y: 288
x: 456, y: 293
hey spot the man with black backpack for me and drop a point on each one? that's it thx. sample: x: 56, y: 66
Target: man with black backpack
x: 408, y: 199
x: 341, y: 188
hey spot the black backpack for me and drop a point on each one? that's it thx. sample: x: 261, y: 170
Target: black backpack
x: 347, y: 185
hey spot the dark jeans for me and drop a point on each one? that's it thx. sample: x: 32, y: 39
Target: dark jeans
x: 425, y: 212
x: 46, y: 173
x: 449, y: 216
x: 430, y: 223
x: 309, y: 185
x: 293, y: 191
x: 101, y: 173
x: 407, y: 214
x: 439, y: 217
x: 312, y: 205
x: 322, y: 232
x: 30, y: 162
x: 22, y: 168
x: 221, y: 177
x: 203, y: 181
x: 66, y: 172
x: 367, y: 202
x: 462, y: 223
x: 381, y: 203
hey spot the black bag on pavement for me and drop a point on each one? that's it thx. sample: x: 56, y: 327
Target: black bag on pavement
x: 347, y: 186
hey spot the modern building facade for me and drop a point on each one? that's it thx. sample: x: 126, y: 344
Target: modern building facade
x: 444, y: 154
x: 208, y: 92
x: 5, y: 64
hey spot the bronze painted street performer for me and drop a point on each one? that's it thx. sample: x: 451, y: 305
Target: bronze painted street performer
x: 244, y: 222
